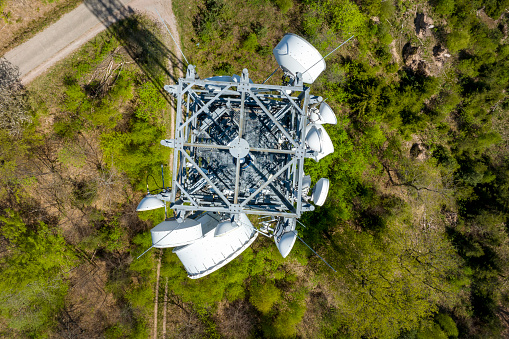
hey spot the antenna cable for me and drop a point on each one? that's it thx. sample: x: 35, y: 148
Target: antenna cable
x: 164, y: 23
x: 328, y: 55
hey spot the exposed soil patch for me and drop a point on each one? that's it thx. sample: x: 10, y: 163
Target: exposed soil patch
x: 426, y: 57
x: 423, y: 25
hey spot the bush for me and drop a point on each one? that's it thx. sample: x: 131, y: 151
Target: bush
x: 251, y: 43
x: 264, y: 296
x: 458, y: 40
x: 284, y: 5
x: 448, y: 325
x: 444, y: 7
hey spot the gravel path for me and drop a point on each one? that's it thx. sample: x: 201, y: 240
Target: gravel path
x: 77, y: 27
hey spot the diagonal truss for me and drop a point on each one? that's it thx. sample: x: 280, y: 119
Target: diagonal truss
x: 239, y: 146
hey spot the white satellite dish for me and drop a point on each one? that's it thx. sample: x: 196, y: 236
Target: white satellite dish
x: 225, y: 227
x: 285, y: 244
x: 323, y: 115
x: 149, y: 202
x: 326, y: 143
x: 320, y: 191
x: 294, y: 54
x: 327, y: 115
x: 171, y: 233
x: 313, y: 139
x: 318, y: 140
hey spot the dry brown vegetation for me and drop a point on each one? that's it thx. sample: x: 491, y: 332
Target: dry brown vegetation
x: 22, y: 19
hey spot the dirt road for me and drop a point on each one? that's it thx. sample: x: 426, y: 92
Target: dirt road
x: 77, y: 27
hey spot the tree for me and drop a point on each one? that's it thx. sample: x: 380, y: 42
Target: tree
x: 14, y: 108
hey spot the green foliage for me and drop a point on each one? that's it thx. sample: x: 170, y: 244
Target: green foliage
x: 137, y: 152
x: 284, y: 5
x: 32, y: 289
x: 458, y: 40
x: 447, y: 324
x: 251, y: 43
x: 346, y: 16
x: 444, y: 7
x: 284, y: 325
x: 264, y: 295
x: 151, y: 102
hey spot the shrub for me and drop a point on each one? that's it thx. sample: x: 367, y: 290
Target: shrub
x: 264, y: 296
x: 448, y: 325
x: 284, y: 5
x: 251, y: 43
x: 458, y: 40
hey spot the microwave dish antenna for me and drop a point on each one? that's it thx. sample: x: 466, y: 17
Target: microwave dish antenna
x: 326, y: 143
x: 149, y: 202
x: 319, y: 141
x: 295, y: 55
x: 323, y: 115
x: 320, y: 191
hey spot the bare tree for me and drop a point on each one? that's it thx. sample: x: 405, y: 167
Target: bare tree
x: 14, y: 108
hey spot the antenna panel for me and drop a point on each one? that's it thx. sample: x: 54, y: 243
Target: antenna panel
x: 171, y: 233
x: 320, y: 191
x: 294, y: 54
x: 149, y: 202
x: 306, y: 182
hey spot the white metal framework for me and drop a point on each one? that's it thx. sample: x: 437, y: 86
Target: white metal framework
x: 239, y: 149
x: 239, y: 146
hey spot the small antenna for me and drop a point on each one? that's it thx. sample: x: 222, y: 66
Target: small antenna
x: 164, y: 23
x: 328, y: 54
x: 318, y: 255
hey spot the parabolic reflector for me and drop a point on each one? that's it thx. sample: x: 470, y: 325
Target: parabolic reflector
x: 224, y: 227
x: 294, y: 54
x: 286, y: 243
x: 327, y: 115
x: 313, y: 139
x: 320, y: 191
x: 318, y: 140
x: 149, y: 202
x: 171, y: 233
x: 326, y: 143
